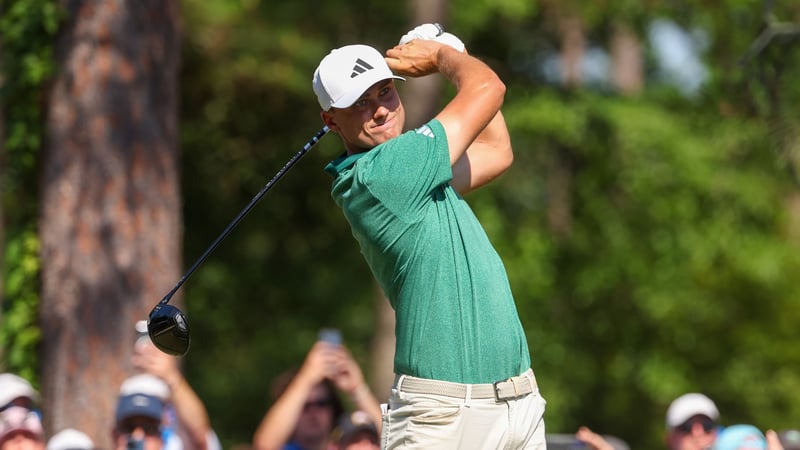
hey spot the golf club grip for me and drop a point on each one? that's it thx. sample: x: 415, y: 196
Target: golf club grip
x: 311, y: 142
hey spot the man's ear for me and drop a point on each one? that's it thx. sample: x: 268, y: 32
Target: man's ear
x: 329, y: 121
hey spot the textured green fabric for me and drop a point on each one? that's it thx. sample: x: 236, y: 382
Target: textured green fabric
x: 456, y: 317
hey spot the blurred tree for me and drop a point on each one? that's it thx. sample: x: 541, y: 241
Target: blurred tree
x: 627, y: 59
x: 110, y: 211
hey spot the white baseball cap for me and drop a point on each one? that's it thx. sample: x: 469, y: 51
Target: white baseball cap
x: 13, y: 387
x: 18, y: 419
x: 346, y: 73
x: 689, y: 405
x: 70, y: 439
x: 145, y: 384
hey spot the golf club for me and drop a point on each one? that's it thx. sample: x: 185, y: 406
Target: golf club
x: 167, y: 325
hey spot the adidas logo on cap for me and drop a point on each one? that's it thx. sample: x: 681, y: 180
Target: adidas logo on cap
x: 360, y: 67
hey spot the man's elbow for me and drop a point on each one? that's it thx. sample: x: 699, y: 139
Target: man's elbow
x: 505, y: 157
x: 498, y: 89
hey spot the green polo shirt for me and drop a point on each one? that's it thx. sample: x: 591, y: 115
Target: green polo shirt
x: 455, y: 315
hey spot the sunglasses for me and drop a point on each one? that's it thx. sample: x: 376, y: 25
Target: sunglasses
x: 688, y: 426
x: 150, y: 428
x: 317, y: 404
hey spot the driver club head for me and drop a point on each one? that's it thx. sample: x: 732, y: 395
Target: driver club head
x: 168, y: 329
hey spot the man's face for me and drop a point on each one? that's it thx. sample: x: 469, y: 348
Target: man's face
x: 138, y: 433
x: 316, y: 420
x: 363, y: 440
x: 21, y: 441
x: 697, y: 433
x: 22, y: 428
x: 374, y: 118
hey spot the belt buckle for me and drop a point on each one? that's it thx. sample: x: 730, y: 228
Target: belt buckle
x: 497, y: 386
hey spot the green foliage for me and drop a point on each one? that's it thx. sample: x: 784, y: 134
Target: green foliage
x: 27, y: 28
x: 20, y: 333
x: 470, y: 15
x: 674, y: 268
x: 26, y: 31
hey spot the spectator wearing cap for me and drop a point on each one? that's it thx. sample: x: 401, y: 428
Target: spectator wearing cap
x: 357, y: 432
x: 185, y: 424
x: 137, y: 422
x: 20, y: 429
x: 70, y: 439
x: 740, y: 437
x: 692, y: 423
x: 16, y: 391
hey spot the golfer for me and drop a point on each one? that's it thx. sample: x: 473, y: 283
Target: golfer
x: 463, y: 373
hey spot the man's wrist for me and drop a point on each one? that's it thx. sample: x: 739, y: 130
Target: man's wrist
x: 174, y: 380
x: 361, y: 392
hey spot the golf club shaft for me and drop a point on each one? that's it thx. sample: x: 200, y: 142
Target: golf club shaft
x: 313, y: 141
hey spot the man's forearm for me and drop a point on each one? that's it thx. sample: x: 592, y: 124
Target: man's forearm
x: 192, y: 414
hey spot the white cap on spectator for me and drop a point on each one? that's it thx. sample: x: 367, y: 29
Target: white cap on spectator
x: 687, y: 406
x: 145, y: 384
x: 70, y: 439
x: 13, y: 387
x: 20, y: 420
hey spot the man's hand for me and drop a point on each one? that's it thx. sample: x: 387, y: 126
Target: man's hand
x: 347, y: 375
x: 592, y: 439
x: 319, y: 363
x: 417, y: 58
x: 149, y: 359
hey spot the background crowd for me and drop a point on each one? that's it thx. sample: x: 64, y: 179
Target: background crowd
x: 157, y: 409
x: 325, y: 404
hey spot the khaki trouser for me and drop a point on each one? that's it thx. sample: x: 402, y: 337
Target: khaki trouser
x: 430, y: 414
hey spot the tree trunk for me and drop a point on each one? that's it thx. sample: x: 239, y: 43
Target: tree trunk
x: 573, y: 49
x: 559, y: 178
x: 559, y: 193
x: 626, y: 55
x: 110, y: 218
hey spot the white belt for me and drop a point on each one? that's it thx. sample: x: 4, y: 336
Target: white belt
x: 511, y: 388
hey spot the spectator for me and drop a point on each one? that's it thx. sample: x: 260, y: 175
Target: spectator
x: 138, y: 418
x: 740, y: 437
x: 692, y: 423
x: 20, y: 429
x: 357, y: 432
x: 16, y: 391
x: 308, y: 407
x: 70, y: 439
x: 186, y: 424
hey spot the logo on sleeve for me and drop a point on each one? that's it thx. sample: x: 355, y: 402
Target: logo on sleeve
x: 425, y: 131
